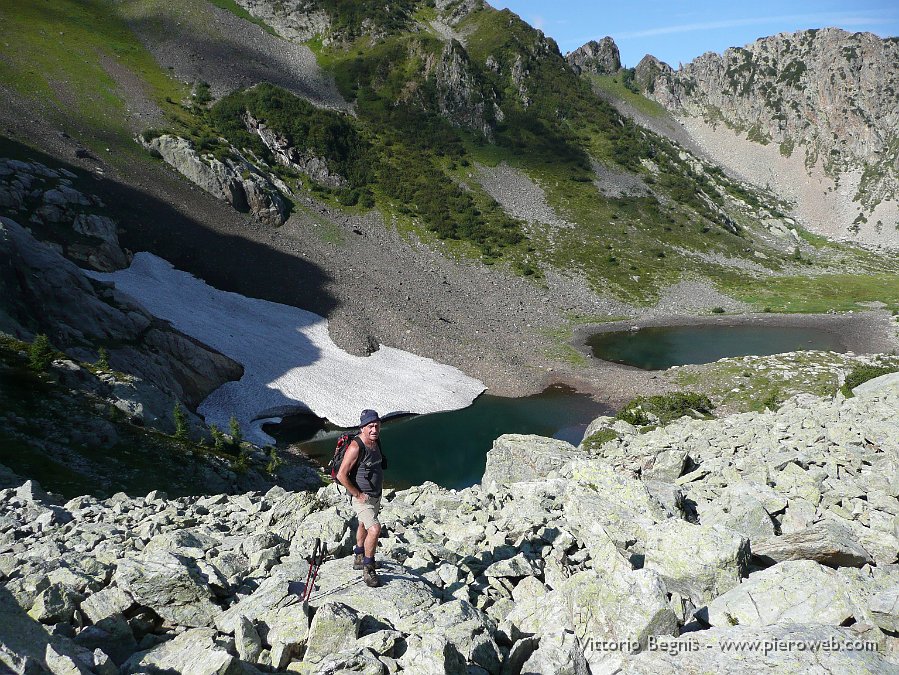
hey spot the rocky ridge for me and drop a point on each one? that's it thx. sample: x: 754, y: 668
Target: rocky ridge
x: 826, y: 95
x: 659, y: 552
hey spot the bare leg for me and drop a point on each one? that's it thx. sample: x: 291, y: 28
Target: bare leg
x: 360, y: 535
x: 371, y: 539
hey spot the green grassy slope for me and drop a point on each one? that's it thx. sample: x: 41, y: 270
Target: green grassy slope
x: 403, y: 153
x: 59, y: 54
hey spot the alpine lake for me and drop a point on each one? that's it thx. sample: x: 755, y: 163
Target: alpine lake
x: 450, y: 448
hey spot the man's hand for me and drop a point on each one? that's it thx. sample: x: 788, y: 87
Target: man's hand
x: 362, y: 498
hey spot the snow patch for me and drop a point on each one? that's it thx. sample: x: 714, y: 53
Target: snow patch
x: 290, y: 362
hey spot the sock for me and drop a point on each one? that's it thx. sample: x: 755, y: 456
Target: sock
x: 357, y: 550
x: 368, y: 561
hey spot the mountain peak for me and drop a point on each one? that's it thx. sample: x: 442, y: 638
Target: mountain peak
x: 600, y: 57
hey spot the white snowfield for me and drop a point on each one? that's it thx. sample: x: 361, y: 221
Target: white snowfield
x: 290, y: 363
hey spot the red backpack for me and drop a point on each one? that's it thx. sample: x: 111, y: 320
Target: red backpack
x: 342, y: 444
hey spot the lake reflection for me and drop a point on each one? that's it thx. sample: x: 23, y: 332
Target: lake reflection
x: 659, y: 348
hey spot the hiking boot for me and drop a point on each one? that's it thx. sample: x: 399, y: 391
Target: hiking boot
x: 370, y: 577
x: 357, y: 561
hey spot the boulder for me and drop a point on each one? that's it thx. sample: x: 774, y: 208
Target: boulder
x: 628, y: 606
x: 113, y: 635
x: 519, y: 457
x: 63, y: 664
x: 247, y: 641
x: 884, y: 609
x: 740, y: 513
x: 54, y: 604
x: 273, y: 594
x: 559, y: 653
x: 105, y: 603
x: 194, y: 652
x: 517, y: 566
x: 825, y: 542
x: 169, y: 585
x: 335, y: 627
x: 698, y: 561
x: 432, y: 654
x: 468, y: 629
x: 797, y: 591
x: 398, y: 602
x: 597, y: 494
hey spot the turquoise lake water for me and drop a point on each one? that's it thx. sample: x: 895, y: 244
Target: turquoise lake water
x: 450, y: 448
x: 663, y: 347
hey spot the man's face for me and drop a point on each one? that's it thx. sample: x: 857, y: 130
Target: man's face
x: 373, y: 430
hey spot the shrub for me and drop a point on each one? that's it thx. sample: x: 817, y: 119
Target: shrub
x: 717, y: 310
x: 235, y: 432
x: 274, y: 461
x: 863, y: 373
x: 596, y: 440
x: 202, y: 94
x: 102, y: 359
x: 40, y: 353
x: 182, y: 430
x: 664, y: 407
x: 772, y: 400
x: 242, y: 463
x: 218, y: 438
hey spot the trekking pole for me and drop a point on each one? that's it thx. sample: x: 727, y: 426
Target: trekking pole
x: 321, y: 554
x: 310, y: 560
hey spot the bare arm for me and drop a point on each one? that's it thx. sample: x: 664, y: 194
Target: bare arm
x: 350, y: 458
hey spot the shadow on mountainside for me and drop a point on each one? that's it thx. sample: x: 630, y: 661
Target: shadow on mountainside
x: 231, y: 53
x: 222, y: 257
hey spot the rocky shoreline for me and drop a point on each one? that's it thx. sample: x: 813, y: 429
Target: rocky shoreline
x: 746, y: 543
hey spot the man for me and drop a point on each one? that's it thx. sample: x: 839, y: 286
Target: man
x: 362, y: 474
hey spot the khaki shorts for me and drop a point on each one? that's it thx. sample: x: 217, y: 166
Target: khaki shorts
x: 367, y: 513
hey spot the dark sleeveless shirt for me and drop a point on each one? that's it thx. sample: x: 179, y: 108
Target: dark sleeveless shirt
x: 370, y: 470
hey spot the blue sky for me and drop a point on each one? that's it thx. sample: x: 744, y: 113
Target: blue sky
x: 677, y: 31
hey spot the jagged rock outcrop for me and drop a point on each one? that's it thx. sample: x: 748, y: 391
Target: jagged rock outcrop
x: 300, y: 21
x: 460, y: 96
x: 285, y: 154
x: 826, y: 96
x: 42, y: 292
x: 600, y: 58
x: 235, y: 180
x: 648, y: 70
x: 453, y: 11
x: 499, y: 578
x: 58, y: 209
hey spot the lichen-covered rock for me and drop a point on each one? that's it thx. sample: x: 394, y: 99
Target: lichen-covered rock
x: 826, y: 543
x: 597, y: 494
x: 194, y: 652
x: 798, y: 591
x: 105, y: 603
x: 517, y: 457
x: 629, y: 606
x: 884, y: 609
x: 171, y: 586
x: 698, y: 561
x: 433, y: 654
x: 335, y: 627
